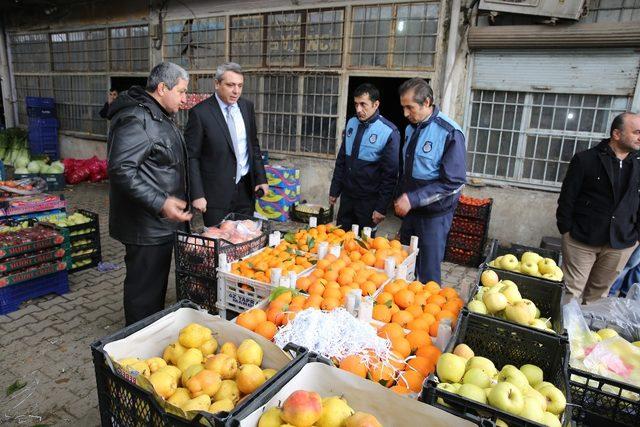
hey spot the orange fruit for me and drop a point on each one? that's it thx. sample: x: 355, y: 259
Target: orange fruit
x: 259, y: 314
x: 400, y: 389
x: 412, y: 379
x: 418, y: 325
x: 368, y: 288
x: 247, y: 320
x: 272, y: 314
x: 430, y: 318
x: 381, y: 313
x: 318, y: 272
x: 451, y: 307
x: 433, y: 329
x: 284, y: 297
x: 382, y: 374
x: 438, y: 300
x: 267, y: 329
x: 313, y: 301
x: 354, y: 365
x: 368, y: 259
x: 331, y: 275
x: 390, y: 331
x: 420, y: 299
x: 404, y: 298
x: 345, y: 279
x: 415, y: 310
x: 395, y: 286
x: 402, y: 317
x: 329, y: 304
x: 397, y: 361
x: 323, y: 264
x: 355, y: 255
x: 378, y: 279
x: 448, y: 293
x: 402, y: 346
x: 432, y: 287
x: 418, y: 338
x: 329, y: 257
x: 298, y: 300
x: 383, y: 297
x: 316, y: 289
x: 432, y: 309
x: 430, y: 352
x: 445, y: 314
x: 415, y: 287
x: 332, y: 293
x: 303, y: 283
x: 421, y: 364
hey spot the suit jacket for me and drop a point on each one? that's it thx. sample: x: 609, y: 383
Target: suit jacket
x: 586, y: 206
x: 212, y: 160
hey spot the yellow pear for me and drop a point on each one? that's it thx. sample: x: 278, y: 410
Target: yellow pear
x: 141, y: 367
x: 268, y: 373
x: 193, y: 356
x: 335, y: 412
x: 128, y: 361
x: 172, y: 352
x: 200, y: 403
x: 249, y: 378
x: 204, y: 382
x: 172, y: 370
x: 250, y: 353
x: 189, y: 372
x: 179, y: 397
x: 228, y: 390
x: 209, y: 347
x: 271, y: 418
x: 163, y: 383
x: 225, y: 405
x: 223, y: 364
x: 229, y: 349
x: 194, y: 335
x: 156, y: 363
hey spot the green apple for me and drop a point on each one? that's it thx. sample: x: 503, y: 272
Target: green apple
x: 509, y: 262
x: 446, y: 387
x: 530, y: 268
x: 473, y: 392
x: 532, y: 410
x: 487, y: 391
x: 477, y: 307
x: 511, y: 374
x: 519, y: 313
x: 533, y: 373
x: 494, y: 301
x: 512, y: 293
x: 482, y: 363
x: 450, y: 368
x: 607, y: 333
x: 636, y: 343
x: 535, y: 313
x: 495, y: 288
x: 530, y: 257
x: 556, y: 402
x: 508, y: 282
x: 501, y: 423
x: 550, y: 420
x: 546, y: 266
x: 543, y: 384
x: 463, y: 351
x: 477, y: 376
x: 531, y: 392
x: 489, y: 278
x: 507, y: 397
x: 557, y: 273
x: 481, y: 291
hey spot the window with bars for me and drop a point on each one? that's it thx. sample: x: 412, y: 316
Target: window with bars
x: 530, y: 138
x: 79, y: 50
x: 612, y: 11
x: 394, y: 36
x: 310, y: 38
x: 30, y: 52
x: 78, y: 101
x: 129, y: 48
x: 195, y: 43
x: 40, y: 86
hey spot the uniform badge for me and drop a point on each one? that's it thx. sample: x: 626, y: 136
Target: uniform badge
x: 349, y: 131
x: 373, y: 138
x: 426, y: 147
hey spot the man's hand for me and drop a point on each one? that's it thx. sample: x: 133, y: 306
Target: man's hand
x: 332, y: 200
x: 377, y: 217
x: 173, y: 209
x: 263, y: 187
x: 402, y: 205
x: 200, y: 204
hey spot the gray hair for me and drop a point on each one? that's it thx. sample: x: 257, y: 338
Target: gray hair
x: 167, y: 73
x: 421, y: 90
x: 227, y: 66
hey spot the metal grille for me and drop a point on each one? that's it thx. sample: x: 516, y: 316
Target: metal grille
x: 246, y: 40
x: 79, y: 50
x: 323, y: 43
x: 394, y: 36
x: 129, y: 48
x: 530, y: 138
x: 320, y: 114
x: 613, y: 11
x: 78, y: 101
x: 31, y: 86
x: 198, y: 83
x: 30, y: 52
x: 195, y: 43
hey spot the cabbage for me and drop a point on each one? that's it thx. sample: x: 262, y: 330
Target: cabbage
x: 22, y: 159
x: 33, y: 167
x: 56, y: 169
x: 22, y: 171
x: 45, y: 169
x: 58, y: 165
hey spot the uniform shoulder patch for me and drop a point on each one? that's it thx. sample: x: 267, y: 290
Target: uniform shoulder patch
x: 427, y: 147
x: 373, y: 138
x: 349, y: 131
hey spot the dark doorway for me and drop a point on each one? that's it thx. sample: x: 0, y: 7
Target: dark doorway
x: 389, y: 99
x: 123, y: 83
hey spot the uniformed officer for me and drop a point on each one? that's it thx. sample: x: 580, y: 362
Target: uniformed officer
x: 432, y: 175
x: 366, y: 170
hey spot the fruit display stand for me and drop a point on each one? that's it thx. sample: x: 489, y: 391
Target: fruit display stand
x: 503, y: 344
x: 495, y: 249
x: 314, y: 373
x: 12, y: 206
x: 125, y: 399
x: 546, y: 296
x: 469, y: 230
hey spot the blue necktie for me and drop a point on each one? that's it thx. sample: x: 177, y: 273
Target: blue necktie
x: 231, y: 124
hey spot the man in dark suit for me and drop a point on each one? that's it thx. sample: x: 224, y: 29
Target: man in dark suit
x: 597, y: 211
x: 225, y: 161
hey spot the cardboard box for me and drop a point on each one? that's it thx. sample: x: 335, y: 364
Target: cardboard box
x: 282, y: 177
x: 274, y: 211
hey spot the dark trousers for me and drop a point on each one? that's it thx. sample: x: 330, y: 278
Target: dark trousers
x: 355, y: 211
x: 432, y: 240
x: 145, y: 285
x: 241, y: 202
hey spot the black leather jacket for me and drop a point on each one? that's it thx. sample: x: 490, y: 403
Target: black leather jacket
x: 146, y: 164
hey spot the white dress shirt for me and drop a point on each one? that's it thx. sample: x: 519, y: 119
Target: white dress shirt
x: 243, y: 156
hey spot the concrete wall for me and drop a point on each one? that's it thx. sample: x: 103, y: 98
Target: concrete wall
x: 315, y: 175
x: 79, y: 148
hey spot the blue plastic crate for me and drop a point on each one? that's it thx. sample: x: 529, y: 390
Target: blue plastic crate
x: 43, y: 144
x: 12, y: 296
x: 40, y: 113
x: 35, y: 101
x: 43, y: 124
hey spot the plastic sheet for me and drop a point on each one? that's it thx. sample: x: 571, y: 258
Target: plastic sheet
x: 79, y: 170
x: 621, y: 314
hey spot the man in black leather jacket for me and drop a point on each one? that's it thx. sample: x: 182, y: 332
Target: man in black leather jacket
x: 148, y: 185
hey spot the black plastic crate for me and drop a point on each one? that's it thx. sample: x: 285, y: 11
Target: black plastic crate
x: 469, y: 227
x: 55, y: 181
x: 465, y: 241
x: 545, y: 295
x: 481, y: 212
x: 95, y: 259
x: 503, y: 343
x: 495, y: 249
x: 325, y: 216
x: 123, y: 403
x: 201, y: 290
x: 198, y: 255
x: 463, y: 257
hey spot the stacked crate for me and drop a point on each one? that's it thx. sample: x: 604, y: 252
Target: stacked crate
x: 468, y: 234
x: 43, y: 126
x: 86, y: 251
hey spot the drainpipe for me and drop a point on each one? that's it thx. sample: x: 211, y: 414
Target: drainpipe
x: 452, y: 46
x: 5, y: 80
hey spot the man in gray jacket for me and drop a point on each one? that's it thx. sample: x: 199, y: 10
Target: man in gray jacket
x: 148, y: 185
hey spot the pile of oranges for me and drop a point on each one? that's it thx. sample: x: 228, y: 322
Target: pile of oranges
x: 334, y: 277
x: 416, y: 306
x: 283, y: 256
x: 402, y: 374
x: 374, y: 252
x: 307, y: 240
